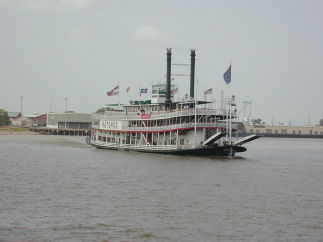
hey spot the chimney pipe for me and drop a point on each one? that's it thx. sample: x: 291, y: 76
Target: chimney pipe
x: 168, y: 76
x: 192, y: 73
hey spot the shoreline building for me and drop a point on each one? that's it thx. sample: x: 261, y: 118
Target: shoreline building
x: 285, y: 131
x: 69, y: 120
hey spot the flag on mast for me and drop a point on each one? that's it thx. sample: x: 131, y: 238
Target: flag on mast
x: 227, y: 76
x: 143, y: 90
x: 208, y: 91
x: 114, y: 91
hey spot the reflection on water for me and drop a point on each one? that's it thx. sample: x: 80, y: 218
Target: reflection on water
x: 56, y: 188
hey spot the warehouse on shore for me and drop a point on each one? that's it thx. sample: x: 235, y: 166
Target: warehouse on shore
x: 69, y: 120
x: 285, y: 131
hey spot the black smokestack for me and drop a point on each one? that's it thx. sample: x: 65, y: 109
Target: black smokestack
x: 192, y: 73
x: 168, y: 76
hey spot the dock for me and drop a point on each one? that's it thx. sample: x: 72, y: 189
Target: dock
x: 60, y: 131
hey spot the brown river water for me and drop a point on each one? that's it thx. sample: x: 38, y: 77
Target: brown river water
x: 57, y: 188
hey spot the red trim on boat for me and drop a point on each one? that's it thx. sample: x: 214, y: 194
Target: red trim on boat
x: 125, y: 131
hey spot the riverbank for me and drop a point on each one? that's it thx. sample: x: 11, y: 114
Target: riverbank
x: 16, y: 131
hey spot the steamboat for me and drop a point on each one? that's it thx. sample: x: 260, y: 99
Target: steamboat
x: 162, y: 125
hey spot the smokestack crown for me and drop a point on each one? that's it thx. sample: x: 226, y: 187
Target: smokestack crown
x: 192, y: 81
x: 168, y: 76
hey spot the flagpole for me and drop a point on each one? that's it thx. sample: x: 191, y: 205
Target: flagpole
x: 205, y: 101
x: 119, y: 95
x: 226, y: 112
x: 230, y: 120
x: 139, y: 98
x: 222, y: 101
x: 195, y: 113
x: 227, y: 79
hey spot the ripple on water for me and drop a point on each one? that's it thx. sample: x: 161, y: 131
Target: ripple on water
x: 53, y: 189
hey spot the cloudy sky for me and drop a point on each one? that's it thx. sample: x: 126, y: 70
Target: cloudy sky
x: 80, y: 49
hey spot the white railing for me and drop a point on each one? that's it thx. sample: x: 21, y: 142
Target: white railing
x: 145, y: 147
x: 171, y: 127
x: 117, y: 116
x: 168, y: 127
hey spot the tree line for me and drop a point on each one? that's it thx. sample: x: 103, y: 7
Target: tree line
x: 4, y: 118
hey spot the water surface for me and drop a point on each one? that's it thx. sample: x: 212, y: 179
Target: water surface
x: 56, y: 188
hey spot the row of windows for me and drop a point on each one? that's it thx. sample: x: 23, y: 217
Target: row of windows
x: 169, y: 121
x: 284, y: 131
x: 154, y: 108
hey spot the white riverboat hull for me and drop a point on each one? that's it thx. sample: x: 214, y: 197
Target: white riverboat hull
x: 210, y: 150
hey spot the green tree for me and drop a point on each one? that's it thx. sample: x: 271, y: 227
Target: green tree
x: 4, y: 119
x: 101, y: 110
x: 257, y: 121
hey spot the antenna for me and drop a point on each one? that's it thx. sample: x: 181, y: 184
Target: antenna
x: 222, y: 99
x: 309, y: 120
x: 246, y: 103
x: 66, y: 104
x: 21, y: 98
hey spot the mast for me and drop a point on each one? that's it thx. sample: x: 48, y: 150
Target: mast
x: 195, y: 122
x: 230, y: 120
x: 227, y: 114
x: 195, y: 99
x: 227, y: 79
x: 118, y: 95
x: 222, y: 97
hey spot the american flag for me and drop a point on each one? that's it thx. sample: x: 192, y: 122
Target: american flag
x: 114, y: 91
x: 227, y: 76
x: 208, y: 91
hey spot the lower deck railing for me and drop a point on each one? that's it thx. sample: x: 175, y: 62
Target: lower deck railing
x: 144, y: 147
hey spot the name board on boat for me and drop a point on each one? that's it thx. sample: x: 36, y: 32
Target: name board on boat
x: 145, y: 116
x: 110, y: 125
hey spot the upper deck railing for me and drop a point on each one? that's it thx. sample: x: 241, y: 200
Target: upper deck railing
x: 121, y: 115
x: 163, y: 128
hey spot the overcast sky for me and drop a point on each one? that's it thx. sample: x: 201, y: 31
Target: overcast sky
x: 80, y: 49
